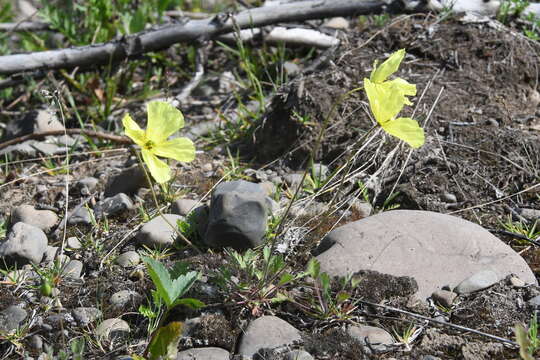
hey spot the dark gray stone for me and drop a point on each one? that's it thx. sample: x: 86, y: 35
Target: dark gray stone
x: 128, y: 182
x: 123, y: 298
x: 238, y: 215
x: 113, y: 206
x: 25, y: 243
x: 82, y: 215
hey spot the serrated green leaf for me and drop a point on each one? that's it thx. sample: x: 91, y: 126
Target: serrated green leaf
x: 161, y: 278
x: 182, y: 284
x: 164, y: 343
x: 189, y: 302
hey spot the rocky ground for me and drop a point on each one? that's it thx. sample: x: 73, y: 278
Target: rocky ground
x: 419, y: 263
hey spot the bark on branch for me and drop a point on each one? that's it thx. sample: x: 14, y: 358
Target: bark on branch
x: 190, y: 32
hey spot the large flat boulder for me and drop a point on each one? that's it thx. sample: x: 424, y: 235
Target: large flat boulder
x: 435, y: 249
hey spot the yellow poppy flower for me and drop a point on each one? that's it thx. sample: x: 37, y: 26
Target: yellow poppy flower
x: 387, y: 98
x: 163, y: 121
x: 380, y: 74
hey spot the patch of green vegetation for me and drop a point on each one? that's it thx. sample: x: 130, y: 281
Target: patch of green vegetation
x: 510, y: 9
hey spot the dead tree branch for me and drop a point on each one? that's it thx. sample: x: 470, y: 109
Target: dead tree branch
x: 96, y: 134
x: 190, y: 32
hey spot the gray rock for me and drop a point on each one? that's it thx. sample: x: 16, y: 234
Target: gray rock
x: 530, y: 214
x: 11, y: 318
x: 33, y: 122
x: 36, y: 342
x: 85, y: 315
x: 113, y: 328
x: 267, y: 332
x: 157, y: 233
x: 73, y: 269
x: 516, y: 282
x: 87, y: 185
x: 365, y: 209
x: 208, y: 353
x: 50, y: 254
x: 24, y: 149
x: 534, y: 302
x: 43, y: 219
x: 238, y: 216
x: 25, y: 243
x: 113, y: 206
x: 434, y: 249
x: 127, y: 182
x: 82, y: 215
x: 310, y: 209
x: 73, y: 243
x: 298, y: 355
x: 444, y: 297
x: 338, y: 23
x: 293, y: 179
x: 183, y: 206
x: 129, y: 258
x: 374, y: 335
x: 477, y: 281
x: 448, y: 197
x: 123, y: 298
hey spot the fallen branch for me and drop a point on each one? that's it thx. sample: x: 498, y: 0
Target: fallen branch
x: 96, y: 134
x: 190, y: 32
x: 25, y: 26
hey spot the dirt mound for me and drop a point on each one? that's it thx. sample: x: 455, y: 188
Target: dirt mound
x: 481, y: 142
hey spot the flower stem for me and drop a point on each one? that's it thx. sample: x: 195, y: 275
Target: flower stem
x: 154, y: 197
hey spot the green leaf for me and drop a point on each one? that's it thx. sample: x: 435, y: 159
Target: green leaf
x: 161, y: 278
x: 189, y: 302
x: 285, y: 278
x: 313, y: 268
x: 164, y: 343
x: 182, y: 284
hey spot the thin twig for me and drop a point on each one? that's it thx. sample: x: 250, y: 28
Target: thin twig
x: 40, y: 135
x: 442, y: 323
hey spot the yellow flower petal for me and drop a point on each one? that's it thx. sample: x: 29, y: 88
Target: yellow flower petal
x: 163, y: 121
x: 181, y: 149
x: 133, y: 130
x: 388, y: 67
x: 407, y: 130
x: 385, y: 101
x: 159, y: 170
